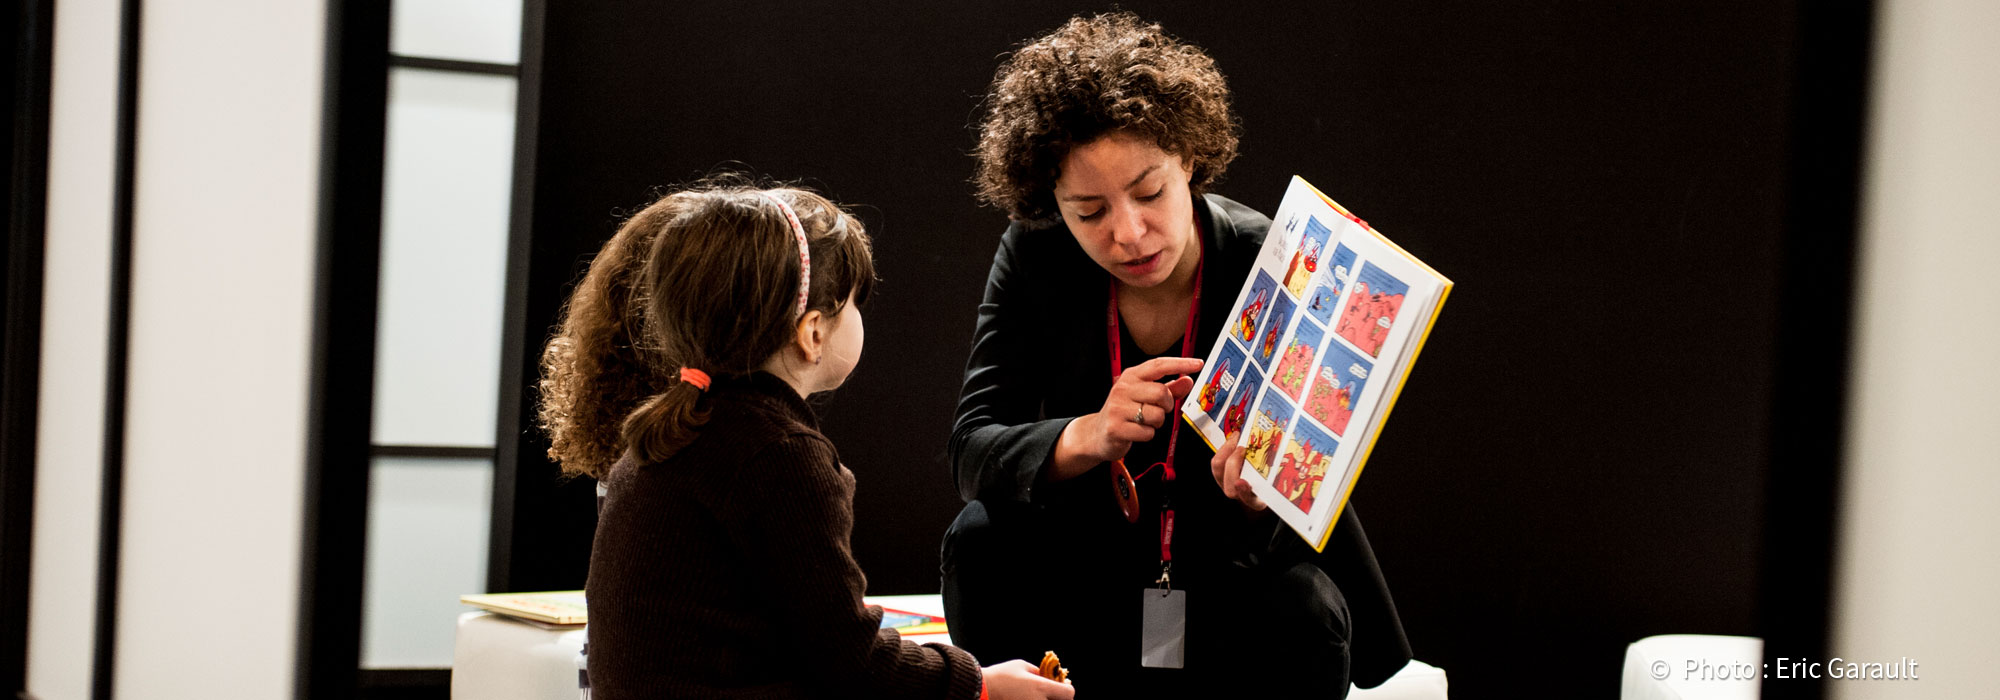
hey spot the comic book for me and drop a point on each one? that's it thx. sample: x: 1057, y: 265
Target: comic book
x: 910, y: 624
x: 1317, y: 346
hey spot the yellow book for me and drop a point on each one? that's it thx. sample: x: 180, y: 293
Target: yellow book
x: 1317, y: 346
x: 567, y: 609
x: 561, y: 608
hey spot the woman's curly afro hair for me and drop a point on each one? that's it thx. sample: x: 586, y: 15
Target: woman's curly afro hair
x: 1091, y: 77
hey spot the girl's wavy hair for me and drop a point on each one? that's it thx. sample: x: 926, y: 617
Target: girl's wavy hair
x: 706, y: 277
x: 1091, y: 77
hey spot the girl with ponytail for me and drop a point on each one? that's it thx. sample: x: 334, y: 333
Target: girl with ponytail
x: 721, y: 565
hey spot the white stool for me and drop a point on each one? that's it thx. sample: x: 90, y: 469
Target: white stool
x: 500, y: 658
x: 1417, y: 681
x: 1693, y: 667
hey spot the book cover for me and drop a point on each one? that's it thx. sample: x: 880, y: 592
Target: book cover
x: 1322, y: 338
x: 908, y: 623
x: 563, y: 608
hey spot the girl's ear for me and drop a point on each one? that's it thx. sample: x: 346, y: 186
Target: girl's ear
x: 811, y: 336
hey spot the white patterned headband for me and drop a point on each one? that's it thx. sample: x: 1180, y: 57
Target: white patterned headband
x: 805, y: 254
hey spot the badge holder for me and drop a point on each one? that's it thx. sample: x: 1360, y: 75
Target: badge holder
x: 1163, y: 640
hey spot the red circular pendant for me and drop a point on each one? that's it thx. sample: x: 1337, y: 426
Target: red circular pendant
x: 1125, y: 491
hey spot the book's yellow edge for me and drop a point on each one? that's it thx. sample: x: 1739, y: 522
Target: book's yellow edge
x: 467, y: 598
x: 1372, y: 232
x: 496, y: 602
x: 1375, y: 436
x: 1198, y: 432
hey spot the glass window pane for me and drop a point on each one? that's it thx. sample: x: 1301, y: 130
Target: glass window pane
x: 428, y: 522
x: 465, y: 30
x: 444, y: 257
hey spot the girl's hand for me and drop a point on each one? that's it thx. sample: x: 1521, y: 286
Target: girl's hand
x: 1227, y: 467
x: 1135, y: 410
x: 1020, y: 679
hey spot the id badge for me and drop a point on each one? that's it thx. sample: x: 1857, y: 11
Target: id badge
x: 1163, y: 640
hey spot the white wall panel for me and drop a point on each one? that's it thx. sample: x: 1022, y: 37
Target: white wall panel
x: 444, y: 257
x: 466, y: 30
x: 69, y: 460
x: 1920, y: 534
x: 427, y: 533
x: 222, y: 298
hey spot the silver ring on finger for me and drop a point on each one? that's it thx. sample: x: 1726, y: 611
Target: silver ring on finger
x: 1140, y: 416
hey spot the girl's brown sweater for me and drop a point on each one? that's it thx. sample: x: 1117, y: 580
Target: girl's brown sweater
x: 725, y: 570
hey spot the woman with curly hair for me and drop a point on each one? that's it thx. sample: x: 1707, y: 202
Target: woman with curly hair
x: 1100, y: 141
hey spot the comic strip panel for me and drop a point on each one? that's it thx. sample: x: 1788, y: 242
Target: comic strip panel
x: 1275, y: 323
x: 1302, y: 465
x: 1244, y: 327
x: 1267, y: 428
x: 1239, y: 404
x: 1214, y: 391
x: 1295, y: 366
x: 1371, y: 309
x: 1327, y: 289
x: 1341, y: 377
x: 1305, y: 258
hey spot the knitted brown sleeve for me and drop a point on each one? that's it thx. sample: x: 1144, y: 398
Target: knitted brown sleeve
x: 791, y: 512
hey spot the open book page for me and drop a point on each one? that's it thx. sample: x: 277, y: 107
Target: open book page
x: 1317, y: 347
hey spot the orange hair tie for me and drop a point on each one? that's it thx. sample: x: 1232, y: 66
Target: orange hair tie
x: 696, y: 377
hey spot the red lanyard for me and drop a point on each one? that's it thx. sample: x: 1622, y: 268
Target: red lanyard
x: 1122, y: 480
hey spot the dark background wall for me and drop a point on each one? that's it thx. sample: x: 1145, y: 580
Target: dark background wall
x: 1580, y: 458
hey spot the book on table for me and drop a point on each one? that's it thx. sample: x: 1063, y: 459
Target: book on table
x: 908, y: 623
x: 550, y: 608
x: 1319, y: 343
x: 565, y: 609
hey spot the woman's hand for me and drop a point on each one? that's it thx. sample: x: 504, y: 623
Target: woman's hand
x: 1227, y: 466
x: 1135, y: 410
x: 1020, y: 679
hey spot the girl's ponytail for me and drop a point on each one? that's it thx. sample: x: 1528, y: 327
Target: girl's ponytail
x: 670, y: 419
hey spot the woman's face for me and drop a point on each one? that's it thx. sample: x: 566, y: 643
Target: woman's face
x: 1126, y: 201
